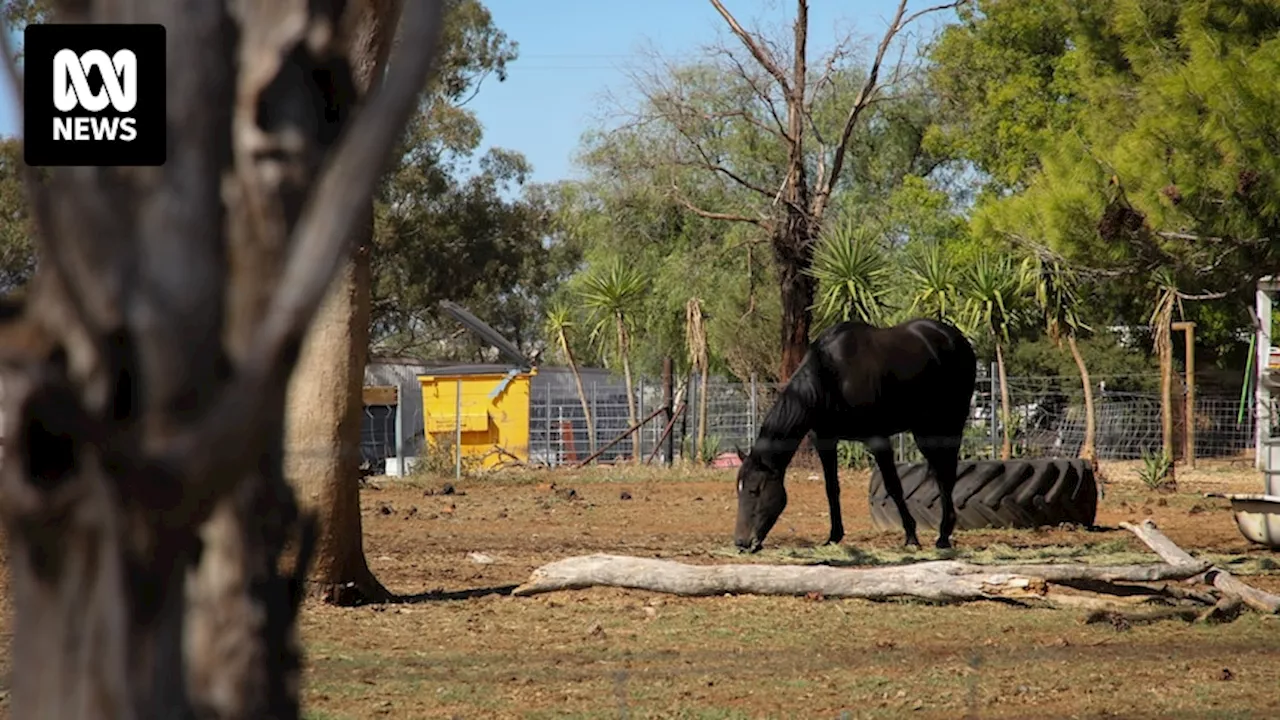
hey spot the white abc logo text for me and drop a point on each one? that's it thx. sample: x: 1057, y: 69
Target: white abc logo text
x: 71, y: 89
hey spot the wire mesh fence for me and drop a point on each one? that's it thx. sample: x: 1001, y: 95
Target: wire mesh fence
x: 1046, y: 419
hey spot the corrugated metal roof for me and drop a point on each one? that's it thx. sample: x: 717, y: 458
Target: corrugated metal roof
x: 470, y: 369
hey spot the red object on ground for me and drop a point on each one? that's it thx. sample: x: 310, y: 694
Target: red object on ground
x: 726, y: 460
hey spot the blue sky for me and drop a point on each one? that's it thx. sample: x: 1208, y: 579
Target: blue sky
x: 571, y: 52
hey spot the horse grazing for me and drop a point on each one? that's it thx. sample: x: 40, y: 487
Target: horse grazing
x: 865, y: 383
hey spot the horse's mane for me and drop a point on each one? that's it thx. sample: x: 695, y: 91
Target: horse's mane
x: 788, y: 420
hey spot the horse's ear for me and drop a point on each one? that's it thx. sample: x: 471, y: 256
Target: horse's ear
x: 741, y: 455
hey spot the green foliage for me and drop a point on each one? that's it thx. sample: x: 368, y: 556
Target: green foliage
x: 446, y: 226
x: 1123, y: 369
x: 935, y: 281
x: 1057, y: 293
x: 853, y: 274
x: 995, y: 292
x: 1125, y: 135
x: 853, y: 455
x: 1155, y: 471
x: 610, y: 294
x: 17, y: 229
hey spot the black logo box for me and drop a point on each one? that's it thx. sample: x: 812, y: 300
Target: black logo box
x: 41, y: 42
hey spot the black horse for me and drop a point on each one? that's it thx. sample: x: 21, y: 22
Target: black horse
x: 865, y: 383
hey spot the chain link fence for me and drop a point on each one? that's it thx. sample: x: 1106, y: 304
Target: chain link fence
x: 1047, y: 419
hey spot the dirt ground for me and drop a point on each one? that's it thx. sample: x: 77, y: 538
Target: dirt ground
x: 459, y: 646
x: 462, y: 648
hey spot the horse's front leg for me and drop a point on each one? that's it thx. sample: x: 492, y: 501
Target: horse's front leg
x: 883, y: 453
x: 827, y: 455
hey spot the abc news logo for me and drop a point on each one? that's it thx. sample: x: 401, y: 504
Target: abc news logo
x: 71, y: 90
x: 95, y: 95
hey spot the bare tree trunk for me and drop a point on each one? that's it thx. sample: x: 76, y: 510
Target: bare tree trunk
x: 142, y: 491
x: 582, y: 392
x: 1006, y: 447
x: 794, y: 255
x: 1087, y: 449
x: 322, y: 459
x: 704, y: 380
x: 624, y: 349
x: 1166, y: 401
x: 325, y: 407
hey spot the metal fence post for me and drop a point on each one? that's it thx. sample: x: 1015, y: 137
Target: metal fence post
x: 457, y: 440
x: 400, y: 433
x: 637, y: 440
x: 559, y: 449
x: 547, y: 411
x: 752, y: 409
x: 595, y: 417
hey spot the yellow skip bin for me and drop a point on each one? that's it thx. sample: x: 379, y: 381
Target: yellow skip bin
x: 494, y: 411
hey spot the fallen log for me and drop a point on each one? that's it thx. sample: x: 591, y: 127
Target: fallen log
x: 1224, y: 581
x: 939, y: 581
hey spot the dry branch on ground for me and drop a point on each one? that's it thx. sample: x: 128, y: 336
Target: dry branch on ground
x: 1224, y: 581
x: 939, y: 580
x: 1107, y: 591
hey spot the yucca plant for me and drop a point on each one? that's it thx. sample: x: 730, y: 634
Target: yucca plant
x: 558, y: 324
x: 1057, y: 293
x: 995, y: 291
x: 935, y: 281
x: 613, y: 294
x: 852, y: 271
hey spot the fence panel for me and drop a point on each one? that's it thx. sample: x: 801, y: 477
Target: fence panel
x: 1046, y: 419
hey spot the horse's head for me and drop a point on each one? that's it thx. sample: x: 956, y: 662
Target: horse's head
x: 761, y: 499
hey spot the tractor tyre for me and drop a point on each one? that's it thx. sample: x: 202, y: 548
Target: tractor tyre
x: 993, y: 494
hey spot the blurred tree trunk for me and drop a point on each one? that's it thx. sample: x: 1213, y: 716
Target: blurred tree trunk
x: 325, y: 408
x: 142, y: 489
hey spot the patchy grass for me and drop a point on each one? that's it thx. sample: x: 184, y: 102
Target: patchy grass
x: 458, y: 647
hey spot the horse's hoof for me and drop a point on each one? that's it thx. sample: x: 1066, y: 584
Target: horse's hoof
x: 943, y: 544
x: 911, y: 545
x: 835, y: 539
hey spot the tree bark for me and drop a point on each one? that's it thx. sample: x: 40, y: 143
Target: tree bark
x: 1087, y: 449
x: 794, y: 255
x: 1006, y: 446
x: 1166, y: 402
x: 939, y: 581
x: 142, y: 492
x: 624, y: 349
x: 582, y: 392
x: 325, y: 408
x: 325, y: 412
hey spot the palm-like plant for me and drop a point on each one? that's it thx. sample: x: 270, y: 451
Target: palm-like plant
x: 613, y: 294
x: 852, y: 271
x: 1057, y: 292
x: 558, y: 324
x: 935, y: 281
x: 996, y: 290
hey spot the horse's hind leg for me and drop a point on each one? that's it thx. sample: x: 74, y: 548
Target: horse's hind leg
x: 943, y: 455
x: 827, y: 454
x: 883, y: 453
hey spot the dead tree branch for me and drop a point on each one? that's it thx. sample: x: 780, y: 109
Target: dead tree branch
x: 1224, y: 581
x: 939, y: 581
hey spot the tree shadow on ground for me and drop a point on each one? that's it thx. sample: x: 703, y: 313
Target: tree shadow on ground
x: 452, y: 595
